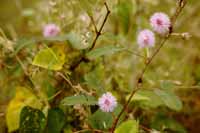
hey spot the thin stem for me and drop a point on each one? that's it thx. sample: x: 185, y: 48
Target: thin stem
x: 55, y: 95
x: 136, y: 54
x: 139, y: 81
x: 93, y: 22
x: 77, y: 88
x: 67, y: 80
x: 98, y: 33
x: 146, y: 129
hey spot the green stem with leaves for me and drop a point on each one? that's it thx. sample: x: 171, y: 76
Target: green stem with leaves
x: 181, y: 5
x: 98, y: 34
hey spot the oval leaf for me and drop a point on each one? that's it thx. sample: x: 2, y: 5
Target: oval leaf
x: 170, y: 99
x: 147, y: 98
x: 130, y: 126
x: 56, y: 120
x: 31, y: 120
x: 105, y: 50
x: 50, y: 58
x: 79, y: 99
x: 23, y: 97
x: 103, y: 120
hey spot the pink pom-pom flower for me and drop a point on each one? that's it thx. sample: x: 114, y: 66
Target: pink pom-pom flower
x: 51, y: 30
x: 107, y: 102
x: 160, y: 23
x: 146, y: 38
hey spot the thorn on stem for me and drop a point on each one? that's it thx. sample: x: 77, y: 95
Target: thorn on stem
x: 140, y: 80
x: 170, y: 29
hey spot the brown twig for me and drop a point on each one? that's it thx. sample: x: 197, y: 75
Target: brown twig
x: 181, y: 5
x: 98, y: 33
x: 146, y: 129
x: 93, y: 23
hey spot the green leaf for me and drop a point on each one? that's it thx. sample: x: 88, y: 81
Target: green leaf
x: 50, y: 58
x: 105, y: 50
x: 140, y: 97
x: 22, y: 43
x: 31, y: 120
x: 23, y: 97
x: 68, y: 129
x: 155, y: 98
x: 162, y: 122
x: 94, y: 79
x: 56, y: 120
x: 167, y: 85
x: 49, y: 90
x: 170, y: 99
x: 124, y: 11
x: 102, y: 120
x: 79, y: 99
x: 130, y: 126
x: 147, y: 98
x: 76, y: 42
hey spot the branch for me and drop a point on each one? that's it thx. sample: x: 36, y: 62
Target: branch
x: 93, y: 22
x: 181, y: 5
x: 98, y: 33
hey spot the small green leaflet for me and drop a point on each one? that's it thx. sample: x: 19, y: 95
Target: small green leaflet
x: 55, y: 121
x: 103, y: 120
x: 147, y: 98
x: 157, y: 97
x: 170, y: 99
x: 163, y: 122
x: 100, y: 120
x: 130, y: 126
x: 105, y: 50
x: 94, y: 79
x: 79, y: 99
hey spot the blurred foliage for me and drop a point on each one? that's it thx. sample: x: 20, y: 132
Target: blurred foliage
x: 167, y: 102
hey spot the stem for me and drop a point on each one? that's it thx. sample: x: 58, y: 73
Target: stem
x: 146, y: 129
x: 181, y: 5
x: 98, y: 33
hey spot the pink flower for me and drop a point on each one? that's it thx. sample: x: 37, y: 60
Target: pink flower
x: 51, y: 30
x: 160, y: 23
x: 146, y: 38
x: 107, y: 102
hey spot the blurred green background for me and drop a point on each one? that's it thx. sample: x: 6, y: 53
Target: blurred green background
x: 178, y: 63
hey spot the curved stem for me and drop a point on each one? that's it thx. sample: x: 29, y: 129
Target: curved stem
x: 181, y: 5
x: 98, y: 33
